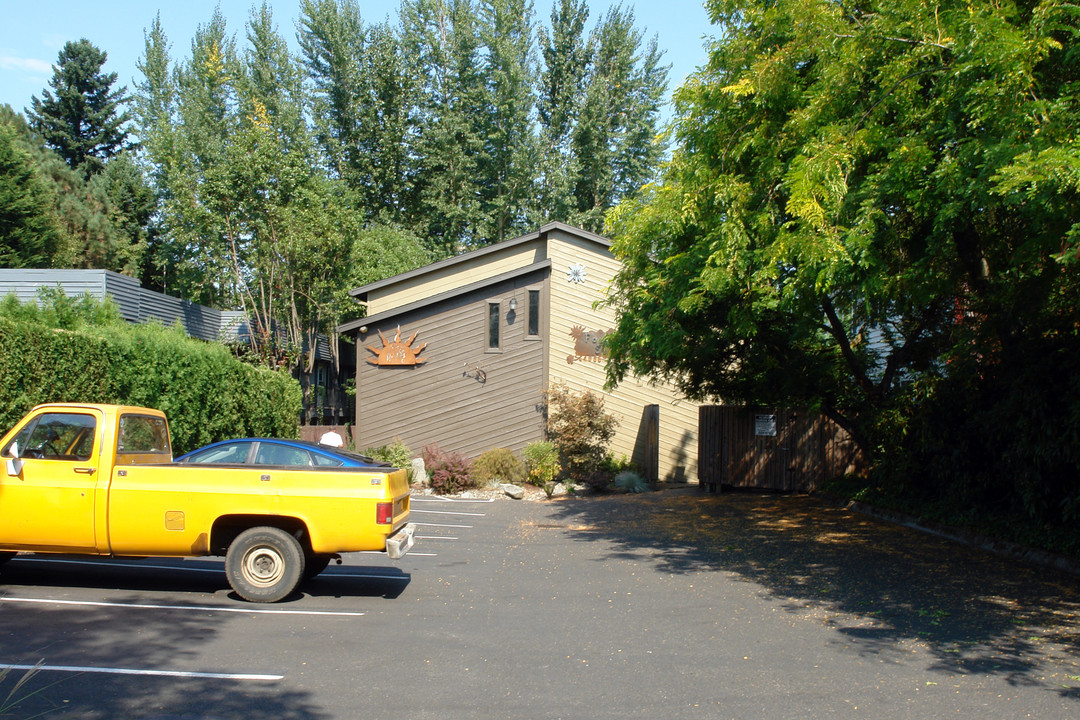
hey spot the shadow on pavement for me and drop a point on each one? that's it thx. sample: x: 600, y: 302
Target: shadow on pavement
x: 66, y: 636
x: 881, y: 584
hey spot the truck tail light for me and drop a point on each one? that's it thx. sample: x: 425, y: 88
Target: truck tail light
x: 384, y: 513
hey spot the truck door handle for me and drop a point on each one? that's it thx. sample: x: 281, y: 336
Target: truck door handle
x: 85, y: 470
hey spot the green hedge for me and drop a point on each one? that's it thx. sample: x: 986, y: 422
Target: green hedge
x: 207, y: 394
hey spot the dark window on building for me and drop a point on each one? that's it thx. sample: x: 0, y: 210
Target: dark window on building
x: 493, y: 326
x: 534, y: 312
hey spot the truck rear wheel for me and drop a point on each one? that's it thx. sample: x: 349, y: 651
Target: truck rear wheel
x: 264, y: 564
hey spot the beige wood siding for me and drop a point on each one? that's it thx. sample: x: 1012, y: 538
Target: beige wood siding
x: 441, y: 401
x: 572, y: 305
x: 454, y: 275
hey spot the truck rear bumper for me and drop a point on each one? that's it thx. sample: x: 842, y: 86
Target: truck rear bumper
x: 401, y: 542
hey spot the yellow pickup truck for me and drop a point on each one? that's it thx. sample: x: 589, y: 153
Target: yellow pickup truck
x: 99, y: 480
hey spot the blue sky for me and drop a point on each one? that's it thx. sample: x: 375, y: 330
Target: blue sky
x: 33, y: 32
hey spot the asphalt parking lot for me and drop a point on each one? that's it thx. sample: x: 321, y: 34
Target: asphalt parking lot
x: 673, y: 604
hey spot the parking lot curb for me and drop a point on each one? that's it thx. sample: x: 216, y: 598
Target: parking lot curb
x: 998, y: 547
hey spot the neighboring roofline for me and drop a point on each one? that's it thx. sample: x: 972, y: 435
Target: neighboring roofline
x: 360, y: 292
x: 434, y: 299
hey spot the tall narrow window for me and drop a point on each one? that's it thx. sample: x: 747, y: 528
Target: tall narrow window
x: 493, y: 326
x: 534, y: 312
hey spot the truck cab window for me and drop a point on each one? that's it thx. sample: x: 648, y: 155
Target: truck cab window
x: 58, y: 436
x: 142, y: 434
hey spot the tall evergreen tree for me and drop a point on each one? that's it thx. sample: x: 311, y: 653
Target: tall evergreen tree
x: 29, y: 236
x: 559, y: 97
x: 365, y: 95
x: 164, y: 267
x: 510, y: 154
x: 614, y: 138
x: 83, y: 120
x: 443, y: 37
x: 100, y: 222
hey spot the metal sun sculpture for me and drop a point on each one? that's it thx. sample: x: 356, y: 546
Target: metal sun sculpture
x: 576, y: 273
x: 396, y: 352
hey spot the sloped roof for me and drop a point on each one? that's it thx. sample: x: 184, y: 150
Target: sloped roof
x: 361, y: 293
x: 486, y: 282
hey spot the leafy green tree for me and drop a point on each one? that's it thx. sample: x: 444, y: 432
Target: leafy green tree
x: 187, y: 115
x: 83, y: 120
x: 29, y: 236
x: 865, y: 200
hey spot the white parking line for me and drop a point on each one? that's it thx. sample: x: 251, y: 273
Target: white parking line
x: 443, y: 525
x: 448, y: 512
x: 134, y: 671
x: 437, y: 499
x: 198, y: 608
x: 435, y: 537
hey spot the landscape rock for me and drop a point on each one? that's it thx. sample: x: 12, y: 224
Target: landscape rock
x: 419, y: 472
x: 513, y: 491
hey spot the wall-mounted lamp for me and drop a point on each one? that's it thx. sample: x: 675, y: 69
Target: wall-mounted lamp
x: 513, y: 304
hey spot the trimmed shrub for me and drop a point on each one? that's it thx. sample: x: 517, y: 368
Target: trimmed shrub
x: 542, y: 465
x: 396, y: 453
x: 580, y: 429
x: 499, y: 464
x: 450, y: 472
x: 207, y: 394
x: 598, y: 480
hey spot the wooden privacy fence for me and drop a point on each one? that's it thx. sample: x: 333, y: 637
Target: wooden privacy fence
x: 314, y: 432
x: 785, y: 450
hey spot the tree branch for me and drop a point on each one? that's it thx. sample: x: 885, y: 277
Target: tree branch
x: 836, y: 329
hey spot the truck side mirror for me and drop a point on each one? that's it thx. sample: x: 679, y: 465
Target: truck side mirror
x: 14, y: 463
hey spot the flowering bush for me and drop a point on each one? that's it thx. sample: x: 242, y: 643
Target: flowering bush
x: 450, y: 472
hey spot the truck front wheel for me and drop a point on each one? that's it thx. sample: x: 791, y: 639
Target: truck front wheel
x: 264, y: 564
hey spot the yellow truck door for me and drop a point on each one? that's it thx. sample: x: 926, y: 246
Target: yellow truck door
x: 47, y: 493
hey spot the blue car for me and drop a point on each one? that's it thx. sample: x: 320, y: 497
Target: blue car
x: 281, y: 453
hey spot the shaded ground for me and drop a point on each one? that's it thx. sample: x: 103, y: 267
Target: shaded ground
x: 674, y: 604
x: 882, y: 583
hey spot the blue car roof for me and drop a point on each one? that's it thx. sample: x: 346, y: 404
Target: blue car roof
x: 349, y: 458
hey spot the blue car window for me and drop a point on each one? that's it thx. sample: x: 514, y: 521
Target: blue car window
x: 230, y: 454
x: 326, y: 460
x: 272, y: 454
